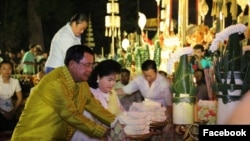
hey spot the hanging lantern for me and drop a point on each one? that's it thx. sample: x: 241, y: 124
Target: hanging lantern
x: 117, y: 22
x: 112, y: 8
x: 107, y: 21
x: 125, y: 44
x: 142, y: 20
x: 112, y: 23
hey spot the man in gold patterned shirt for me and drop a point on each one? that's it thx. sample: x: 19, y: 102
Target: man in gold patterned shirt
x: 54, y: 108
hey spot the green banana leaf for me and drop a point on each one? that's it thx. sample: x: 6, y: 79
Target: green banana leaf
x: 157, y: 53
x: 246, y: 81
x: 231, y: 61
x: 138, y: 60
x: 146, y: 49
x: 235, y: 52
x: 183, y: 83
x: 128, y: 60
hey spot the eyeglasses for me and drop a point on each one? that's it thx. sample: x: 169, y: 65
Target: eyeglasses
x: 87, y: 65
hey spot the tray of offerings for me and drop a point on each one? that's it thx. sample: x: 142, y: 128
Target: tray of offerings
x: 158, y: 125
x: 141, y: 137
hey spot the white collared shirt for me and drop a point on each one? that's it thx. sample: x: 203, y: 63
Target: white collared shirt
x: 159, y: 90
x: 63, y: 39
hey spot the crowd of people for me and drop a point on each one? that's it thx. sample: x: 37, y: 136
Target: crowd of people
x: 26, y: 62
x: 77, y: 98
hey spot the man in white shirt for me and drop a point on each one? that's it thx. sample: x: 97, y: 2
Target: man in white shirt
x: 151, y: 85
x: 68, y: 35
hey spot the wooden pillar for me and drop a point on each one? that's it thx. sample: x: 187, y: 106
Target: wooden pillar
x: 182, y: 20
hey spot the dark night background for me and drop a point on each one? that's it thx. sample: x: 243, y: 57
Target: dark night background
x: 36, y: 21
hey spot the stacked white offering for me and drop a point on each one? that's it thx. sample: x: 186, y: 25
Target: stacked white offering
x: 135, y: 123
x: 154, y: 110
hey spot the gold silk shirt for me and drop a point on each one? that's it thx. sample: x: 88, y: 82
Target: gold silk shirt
x: 54, y: 110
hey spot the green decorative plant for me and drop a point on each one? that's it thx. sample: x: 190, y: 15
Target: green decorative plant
x: 138, y: 60
x: 157, y: 53
x: 231, y: 65
x: 183, y: 82
x: 128, y: 59
x: 146, y: 52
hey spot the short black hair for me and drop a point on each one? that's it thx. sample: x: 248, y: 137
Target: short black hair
x: 32, y: 46
x: 6, y: 62
x: 203, y: 80
x: 79, y: 18
x: 104, y: 68
x: 199, y: 46
x: 125, y: 70
x: 149, y: 64
x: 76, y: 53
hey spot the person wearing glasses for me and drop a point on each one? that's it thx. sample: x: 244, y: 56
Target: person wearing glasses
x: 102, y: 81
x: 55, y: 105
x: 68, y: 35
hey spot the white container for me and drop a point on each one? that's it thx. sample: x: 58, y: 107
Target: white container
x: 224, y: 110
x: 183, y: 112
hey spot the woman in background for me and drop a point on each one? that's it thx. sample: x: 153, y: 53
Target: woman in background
x: 102, y: 82
x: 8, y: 87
